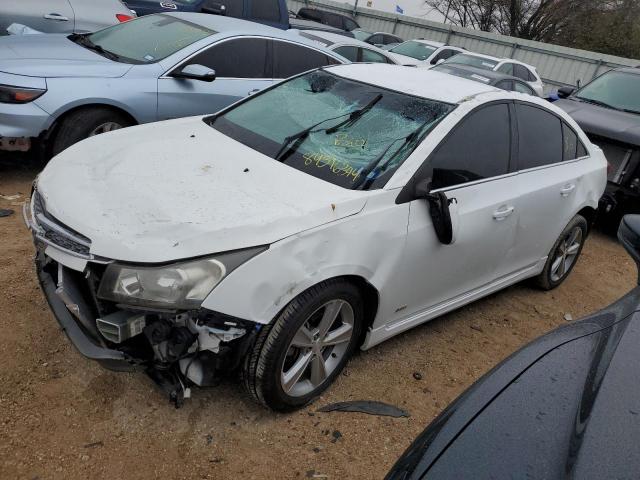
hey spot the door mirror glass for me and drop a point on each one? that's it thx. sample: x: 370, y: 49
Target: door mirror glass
x: 196, y: 72
x: 564, y: 92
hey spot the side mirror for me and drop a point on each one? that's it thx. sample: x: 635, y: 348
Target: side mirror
x: 443, y: 211
x: 564, y: 92
x: 440, y: 61
x: 214, y: 8
x: 629, y: 236
x: 196, y: 72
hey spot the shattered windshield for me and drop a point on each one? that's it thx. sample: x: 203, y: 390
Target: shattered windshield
x: 345, y: 132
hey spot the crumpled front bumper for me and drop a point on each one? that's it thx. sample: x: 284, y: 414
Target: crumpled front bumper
x: 87, y: 346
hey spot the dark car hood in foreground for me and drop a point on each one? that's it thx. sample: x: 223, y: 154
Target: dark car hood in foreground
x: 565, y: 406
x: 604, y: 122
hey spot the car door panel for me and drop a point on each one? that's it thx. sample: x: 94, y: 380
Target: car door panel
x: 472, y: 167
x: 51, y: 16
x: 242, y: 67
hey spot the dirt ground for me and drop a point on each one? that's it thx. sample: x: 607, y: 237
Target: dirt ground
x: 63, y: 417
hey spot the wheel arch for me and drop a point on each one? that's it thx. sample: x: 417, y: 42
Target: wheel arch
x: 57, y: 118
x: 589, y: 213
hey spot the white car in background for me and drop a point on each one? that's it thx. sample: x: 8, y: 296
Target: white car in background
x: 421, y: 52
x: 63, y: 16
x: 353, y: 50
x: 508, y: 66
x: 327, y: 213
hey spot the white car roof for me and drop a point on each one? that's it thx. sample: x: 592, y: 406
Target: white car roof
x: 414, y: 81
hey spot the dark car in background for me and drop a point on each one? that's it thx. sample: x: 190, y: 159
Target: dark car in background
x: 336, y: 20
x: 379, y: 39
x: 608, y: 110
x: 269, y: 12
x: 566, y: 406
x: 488, y: 77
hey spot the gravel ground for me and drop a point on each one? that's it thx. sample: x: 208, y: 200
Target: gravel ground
x: 63, y: 417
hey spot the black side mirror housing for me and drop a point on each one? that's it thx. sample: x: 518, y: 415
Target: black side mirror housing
x: 439, y: 211
x: 565, y: 92
x: 195, y: 72
x: 629, y: 236
x: 214, y: 8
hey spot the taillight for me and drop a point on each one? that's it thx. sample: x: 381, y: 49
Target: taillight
x: 123, y: 17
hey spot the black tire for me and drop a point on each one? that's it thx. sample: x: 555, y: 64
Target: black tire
x: 261, y: 372
x: 80, y: 124
x: 547, y: 280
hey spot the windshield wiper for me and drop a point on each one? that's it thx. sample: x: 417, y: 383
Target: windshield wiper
x: 302, y: 134
x: 355, y: 115
x: 374, y: 164
x: 598, y: 102
x: 83, y: 40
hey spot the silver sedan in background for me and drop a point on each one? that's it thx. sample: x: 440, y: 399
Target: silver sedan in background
x: 56, y: 90
x: 63, y: 16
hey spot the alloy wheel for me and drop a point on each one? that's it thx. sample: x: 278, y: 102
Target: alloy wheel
x: 317, y: 348
x: 104, y: 128
x: 566, y: 254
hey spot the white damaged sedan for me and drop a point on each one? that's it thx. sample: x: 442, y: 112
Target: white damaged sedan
x: 325, y: 214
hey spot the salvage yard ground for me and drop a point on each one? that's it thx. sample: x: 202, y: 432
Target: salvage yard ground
x: 63, y: 417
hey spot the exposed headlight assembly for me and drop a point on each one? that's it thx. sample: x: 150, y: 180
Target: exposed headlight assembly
x: 11, y: 94
x: 181, y: 285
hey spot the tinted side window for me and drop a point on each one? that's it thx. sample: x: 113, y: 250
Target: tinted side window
x: 443, y: 55
x: 521, y: 72
x: 540, y: 137
x: 310, y: 14
x: 333, y: 20
x: 375, y: 39
x: 506, y: 68
x: 371, y: 56
x: 268, y: 10
x: 478, y: 148
x: 569, y: 144
x: 387, y: 39
x: 290, y: 59
x: 524, y: 88
x: 350, y: 24
x: 505, y: 85
x: 239, y: 58
x: 348, y: 52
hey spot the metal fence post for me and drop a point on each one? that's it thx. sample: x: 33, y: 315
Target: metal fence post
x: 513, y: 50
x: 395, y: 24
x: 450, y: 33
x: 599, y: 63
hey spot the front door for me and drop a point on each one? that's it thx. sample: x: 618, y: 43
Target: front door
x: 472, y: 166
x: 242, y: 67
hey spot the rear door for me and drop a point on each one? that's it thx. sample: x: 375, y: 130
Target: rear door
x: 49, y: 16
x: 549, y: 181
x: 242, y: 66
x: 471, y: 165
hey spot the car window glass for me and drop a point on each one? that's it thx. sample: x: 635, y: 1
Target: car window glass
x: 506, y: 68
x: 238, y: 58
x: 521, y: 72
x: 617, y: 89
x: 523, y: 88
x: 348, y: 52
x: 539, y: 137
x: 417, y: 50
x: 387, y: 39
x: 310, y: 14
x: 478, y: 148
x: 268, y: 10
x: 375, y: 39
x: 361, y: 154
x: 443, y: 55
x: 505, y: 85
x: 148, y: 39
x: 473, y: 60
x: 371, y: 56
x: 291, y: 59
x: 570, y: 143
x: 333, y: 20
x: 350, y: 24
x: 582, y: 150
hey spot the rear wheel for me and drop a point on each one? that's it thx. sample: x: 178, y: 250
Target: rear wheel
x: 297, y: 357
x: 564, y: 254
x: 85, y: 123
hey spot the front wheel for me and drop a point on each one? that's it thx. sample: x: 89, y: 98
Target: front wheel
x: 297, y: 357
x: 564, y: 254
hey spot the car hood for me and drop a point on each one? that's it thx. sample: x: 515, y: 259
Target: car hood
x: 54, y: 55
x: 180, y: 189
x: 565, y: 406
x: 604, y: 122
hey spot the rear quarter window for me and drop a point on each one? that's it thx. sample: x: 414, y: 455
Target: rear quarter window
x: 540, y: 137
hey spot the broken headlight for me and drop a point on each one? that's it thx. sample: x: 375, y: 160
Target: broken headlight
x: 181, y: 285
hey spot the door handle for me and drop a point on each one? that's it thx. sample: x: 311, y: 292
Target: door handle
x: 567, y: 189
x: 255, y: 90
x: 56, y: 16
x: 503, y: 212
